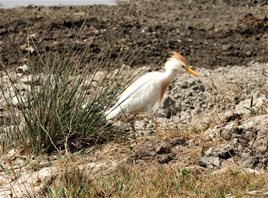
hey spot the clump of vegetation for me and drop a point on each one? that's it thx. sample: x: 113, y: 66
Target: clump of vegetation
x: 73, y: 183
x: 254, y: 110
x: 151, y: 183
x: 63, y: 108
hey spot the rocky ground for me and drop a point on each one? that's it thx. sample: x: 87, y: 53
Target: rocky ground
x: 208, y: 123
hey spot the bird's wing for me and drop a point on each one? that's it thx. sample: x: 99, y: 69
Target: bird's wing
x: 144, y: 91
x: 138, y: 85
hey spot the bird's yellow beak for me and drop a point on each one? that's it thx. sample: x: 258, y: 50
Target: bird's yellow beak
x: 190, y: 71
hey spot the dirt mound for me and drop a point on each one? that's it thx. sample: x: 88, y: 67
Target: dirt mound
x: 246, y: 143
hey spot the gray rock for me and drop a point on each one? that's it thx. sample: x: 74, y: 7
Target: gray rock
x: 230, y: 128
x: 209, y: 162
x: 248, y: 141
x: 226, y: 134
x: 226, y: 47
x: 28, y: 184
x: 257, y: 127
x: 224, y: 151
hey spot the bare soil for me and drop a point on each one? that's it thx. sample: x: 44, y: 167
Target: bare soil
x: 208, y: 33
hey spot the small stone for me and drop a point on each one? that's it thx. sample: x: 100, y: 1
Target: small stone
x: 248, y: 53
x: 226, y: 134
x: 226, y: 47
x: 208, y: 152
x: 248, y: 163
x: 185, y: 117
x: 209, y: 162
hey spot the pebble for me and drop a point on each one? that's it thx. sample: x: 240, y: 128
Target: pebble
x: 209, y: 162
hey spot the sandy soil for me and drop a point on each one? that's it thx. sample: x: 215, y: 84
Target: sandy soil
x: 210, y: 34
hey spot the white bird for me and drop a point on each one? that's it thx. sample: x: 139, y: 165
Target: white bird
x: 149, y: 89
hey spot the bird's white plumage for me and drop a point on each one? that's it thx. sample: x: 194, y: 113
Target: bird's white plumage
x: 147, y: 90
x: 139, y: 96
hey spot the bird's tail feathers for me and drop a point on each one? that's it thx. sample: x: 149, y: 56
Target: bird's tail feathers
x: 112, y: 113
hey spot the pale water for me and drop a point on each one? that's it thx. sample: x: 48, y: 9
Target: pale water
x: 16, y: 3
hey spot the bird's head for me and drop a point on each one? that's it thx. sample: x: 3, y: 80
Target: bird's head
x: 176, y: 62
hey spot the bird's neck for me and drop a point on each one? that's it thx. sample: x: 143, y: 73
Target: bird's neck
x: 170, y: 75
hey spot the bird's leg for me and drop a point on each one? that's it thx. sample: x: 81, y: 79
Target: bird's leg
x: 131, y: 122
x: 154, y: 123
x: 151, y: 120
x: 132, y: 125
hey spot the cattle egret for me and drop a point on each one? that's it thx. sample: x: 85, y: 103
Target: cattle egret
x: 146, y: 91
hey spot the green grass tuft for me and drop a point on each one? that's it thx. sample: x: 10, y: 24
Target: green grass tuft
x: 63, y: 109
